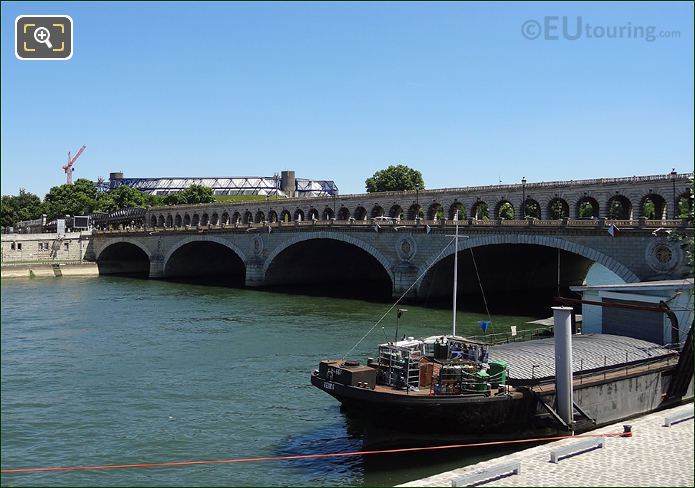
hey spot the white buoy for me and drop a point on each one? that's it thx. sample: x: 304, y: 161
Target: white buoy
x: 562, y: 317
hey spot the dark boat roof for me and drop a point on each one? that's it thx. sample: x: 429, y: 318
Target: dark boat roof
x: 588, y: 353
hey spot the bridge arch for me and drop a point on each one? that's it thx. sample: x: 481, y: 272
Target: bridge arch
x: 260, y: 217
x: 461, y: 210
x: 396, y: 212
x: 435, y: 212
x: 178, y: 221
x: 313, y: 214
x: 505, y: 210
x: 214, y: 219
x: 343, y: 213
x: 195, y: 220
x: 415, y: 211
x: 377, y: 211
x: 480, y: 211
x: 558, y: 208
x: 124, y: 256
x: 285, y: 216
x: 186, y: 219
x: 205, y: 255
x: 586, y: 207
x: 652, y: 206
x: 360, y: 213
x: 543, y: 241
x: 327, y: 213
x: 299, y: 214
x: 204, y: 219
x: 530, y: 208
x: 160, y: 220
x: 272, y: 216
x: 619, y: 207
x: 330, y: 236
x: 169, y: 221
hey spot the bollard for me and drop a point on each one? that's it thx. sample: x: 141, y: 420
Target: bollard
x: 627, y: 431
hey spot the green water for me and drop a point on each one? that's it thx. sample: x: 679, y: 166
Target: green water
x: 118, y: 371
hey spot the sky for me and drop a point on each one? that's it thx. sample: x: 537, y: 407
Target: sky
x: 462, y: 92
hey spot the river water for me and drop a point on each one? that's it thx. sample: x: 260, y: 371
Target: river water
x: 116, y: 371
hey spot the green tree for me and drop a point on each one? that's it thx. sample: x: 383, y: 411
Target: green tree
x: 127, y: 197
x: 25, y: 206
x: 395, y: 178
x: 586, y: 209
x: 192, y: 194
x: 77, y: 199
x: 557, y: 210
x: 507, y: 211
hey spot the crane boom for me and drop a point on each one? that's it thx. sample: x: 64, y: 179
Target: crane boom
x: 68, y: 167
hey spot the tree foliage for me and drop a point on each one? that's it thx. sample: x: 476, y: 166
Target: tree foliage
x: 507, y: 211
x: 395, y: 178
x: 25, y: 206
x: 79, y: 198
x: 192, y: 194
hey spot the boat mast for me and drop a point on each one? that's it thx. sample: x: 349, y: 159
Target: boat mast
x: 456, y: 263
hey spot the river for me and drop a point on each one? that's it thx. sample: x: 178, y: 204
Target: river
x: 115, y: 371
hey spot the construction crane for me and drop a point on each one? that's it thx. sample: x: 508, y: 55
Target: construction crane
x: 68, y: 167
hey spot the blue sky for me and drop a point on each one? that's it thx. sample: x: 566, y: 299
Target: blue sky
x: 340, y: 90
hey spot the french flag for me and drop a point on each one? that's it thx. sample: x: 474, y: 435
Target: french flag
x: 613, y: 230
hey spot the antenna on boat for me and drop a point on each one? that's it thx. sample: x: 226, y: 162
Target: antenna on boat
x: 456, y: 269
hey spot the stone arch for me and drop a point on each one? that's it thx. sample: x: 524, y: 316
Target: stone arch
x: 204, y: 219
x: 396, y: 212
x: 435, y: 211
x: 684, y: 205
x: 343, y: 213
x: 225, y: 218
x: 414, y: 211
x: 548, y: 241
x: 360, y: 213
x: 313, y: 214
x: 124, y: 256
x: 530, y: 208
x: 586, y: 207
x: 248, y: 218
x: 178, y: 220
x: 558, y: 208
x: 619, y: 207
x: 461, y: 209
x: 126, y: 240
x: 297, y: 238
x: 260, y: 217
x: 195, y: 220
x: 169, y: 221
x: 161, y: 220
x: 299, y: 215
x: 327, y: 213
x: 480, y: 210
x: 285, y: 216
x: 236, y: 218
x: 200, y: 238
x: 272, y: 216
x: 186, y: 219
x: 505, y: 210
x: 377, y: 211
x: 153, y: 221
x: 214, y: 219
x: 652, y: 206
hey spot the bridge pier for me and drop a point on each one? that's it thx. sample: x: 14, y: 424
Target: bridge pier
x: 254, y: 274
x: 404, y: 275
x: 156, y: 269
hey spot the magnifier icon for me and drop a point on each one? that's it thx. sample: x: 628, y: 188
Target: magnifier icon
x: 43, y: 36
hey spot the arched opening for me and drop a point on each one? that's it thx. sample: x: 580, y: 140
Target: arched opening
x: 479, y: 211
x: 225, y: 218
x: 516, y: 278
x: 125, y: 259
x: 206, y: 262
x: 285, y: 216
x: 248, y: 217
x: 186, y: 219
x: 329, y: 267
x: 435, y: 212
x: 587, y: 207
x: 160, y: 221
x: 313, y: 214
x: 273, y: 216
x: 558, y: 209
x: 260, y: 217
x: 457, y: 206
x: 415, y: 212
x: 619, y: 208
x: 177, y: 220
x: 169, y: 221
x: 343, y: 213
x: 299, y: 215
x: 653, y: 207
x: 504, y: 210
x: 360, y: 213
x: 327, y: 213
x: 377, y: 211
x: 236, y: 218
x: 684, y: 204
x: 396, y: 212
x: 531, y: 208
x: 215, y: 219
x: 196, y: 219
x: 153, y: 221
x: 204, y: 219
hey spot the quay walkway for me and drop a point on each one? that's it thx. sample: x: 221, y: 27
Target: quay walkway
x: 654, y: 456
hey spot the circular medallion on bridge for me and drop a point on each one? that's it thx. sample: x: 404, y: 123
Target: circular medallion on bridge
x: 663, y: 255
x: 406, y: 248
x: 257, y: 245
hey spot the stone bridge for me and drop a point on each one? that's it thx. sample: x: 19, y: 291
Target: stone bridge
x: 399, y: 256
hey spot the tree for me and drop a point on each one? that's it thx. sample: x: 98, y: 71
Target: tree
x: 395, y: 178
x: 77, y: 199
x: 507, y: 211
x: 127, y: 197
x: 25, y: 206
x: 192, y: 194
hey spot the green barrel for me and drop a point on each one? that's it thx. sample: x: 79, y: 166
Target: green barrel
x: 498, y: 373
x: 481, y: 380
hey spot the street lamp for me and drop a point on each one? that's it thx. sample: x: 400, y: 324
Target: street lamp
x: 417, y: 202
x: 334, y: 195
x: 673, y: 181
x: 267, y: 205
x: 523, y: 197
x: 398, y: 316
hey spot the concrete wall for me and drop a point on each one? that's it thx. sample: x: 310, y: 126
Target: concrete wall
x: 34, y: 248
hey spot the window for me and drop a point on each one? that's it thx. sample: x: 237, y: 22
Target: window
x: 40, y: 246
x: 19, y: 246
x: 13, y: 246
x: 66, y: 246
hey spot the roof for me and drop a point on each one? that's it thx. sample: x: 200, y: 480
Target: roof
x: 685, y: 283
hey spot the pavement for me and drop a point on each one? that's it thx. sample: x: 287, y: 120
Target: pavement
x: 654, y: 456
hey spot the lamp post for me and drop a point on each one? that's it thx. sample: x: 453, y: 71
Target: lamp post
x: 523, y: 197
x: 417, y: 202
x: 334, y: 195
x: 673, y: 181
x: 398, y: 316
x: 267, y: 208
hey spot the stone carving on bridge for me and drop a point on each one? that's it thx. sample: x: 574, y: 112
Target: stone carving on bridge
x: 258, y: 245
x: 663, y: 256
x: 406, y: 248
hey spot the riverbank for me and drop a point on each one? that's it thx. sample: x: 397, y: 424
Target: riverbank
x: 46, y: 270
x: 654, y: 456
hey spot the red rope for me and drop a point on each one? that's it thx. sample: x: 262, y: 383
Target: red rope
x: 303, y: 456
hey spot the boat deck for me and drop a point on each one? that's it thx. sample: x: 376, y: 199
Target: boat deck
x: 534, y: 361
